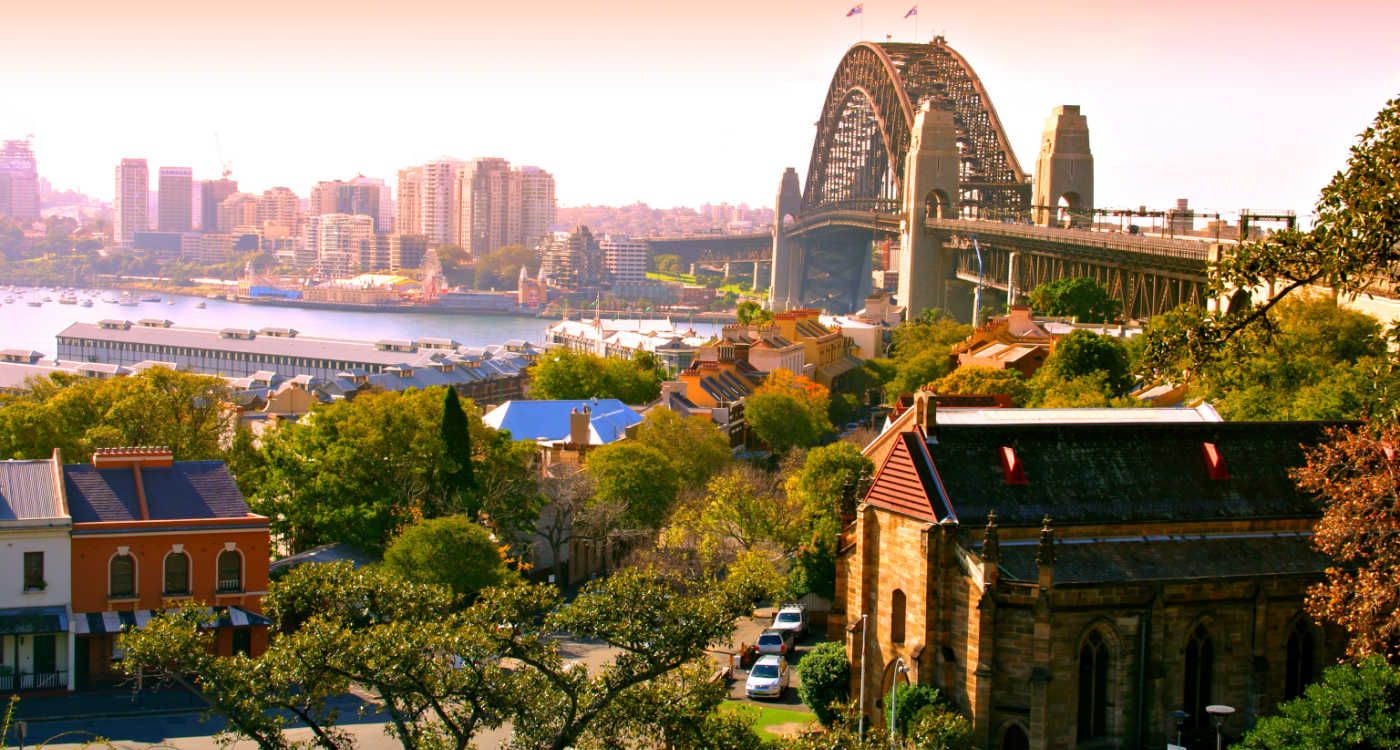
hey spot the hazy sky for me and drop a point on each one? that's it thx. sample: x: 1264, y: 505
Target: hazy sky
x: 1232, y: 103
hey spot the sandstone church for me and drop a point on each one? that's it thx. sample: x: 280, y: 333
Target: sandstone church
x: 1075, y: 578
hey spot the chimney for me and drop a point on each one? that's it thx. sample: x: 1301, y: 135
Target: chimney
x: 152, y: 457
x: 1019, y: 318
x: 579, y: 423
x: 926, y: 410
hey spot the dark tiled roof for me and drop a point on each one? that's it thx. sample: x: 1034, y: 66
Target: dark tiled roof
x: 1168, y: 559
x: 1099, y: 473
x: 187, y: 490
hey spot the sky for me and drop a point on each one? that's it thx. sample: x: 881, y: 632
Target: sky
x: 1230, y: 103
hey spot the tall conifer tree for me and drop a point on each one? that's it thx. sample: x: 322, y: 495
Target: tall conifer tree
x: 457, y: 445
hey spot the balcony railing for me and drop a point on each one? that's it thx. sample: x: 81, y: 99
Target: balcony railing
x: 231, y: 585
x: 32, y: 681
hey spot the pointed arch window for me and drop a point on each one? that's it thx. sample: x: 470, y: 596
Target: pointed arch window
x: 1199, y: 669
x: 1094, y: 661
x: 1015, y: 739
x: 1299, y: 671
x: 897, y: 608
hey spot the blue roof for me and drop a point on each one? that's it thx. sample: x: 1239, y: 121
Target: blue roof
x: 189, y: 489
x: 549, y: 420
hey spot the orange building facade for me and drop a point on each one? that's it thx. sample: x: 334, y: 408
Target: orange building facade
x: 151, y: 534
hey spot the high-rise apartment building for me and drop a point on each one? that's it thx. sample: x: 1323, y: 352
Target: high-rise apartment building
x: 211, y: 194
x: 490, y: 211
x: 537, y: 206
x: 19, y: 181
x: 409, y: 217
x: 237, y: 212
x: 384, y: 219
x: 129, y: 215
x: 279, y: 213
x: 175, y: 192
x: 344, y: 243
x: 573, y: 260
x: 624, y: 258
x: 441, y: 202
x: 360, y: 196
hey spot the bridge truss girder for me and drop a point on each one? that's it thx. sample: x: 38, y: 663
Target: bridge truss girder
x: 1143, y: 290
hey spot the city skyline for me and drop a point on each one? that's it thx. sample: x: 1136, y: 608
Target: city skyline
x: 1227, y: 106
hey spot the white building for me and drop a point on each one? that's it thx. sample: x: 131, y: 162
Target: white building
x: 131, y: 212
x: 36, y: 652
x: 625, y: 259
x: 343, y: 243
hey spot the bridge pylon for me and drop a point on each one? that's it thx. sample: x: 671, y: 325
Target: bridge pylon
x: 930, y: 191
x: 1064, y: 171
x: 785, y: 286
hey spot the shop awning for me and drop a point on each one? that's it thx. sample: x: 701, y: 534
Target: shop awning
x: 97, y: 623
x: 33, y: 620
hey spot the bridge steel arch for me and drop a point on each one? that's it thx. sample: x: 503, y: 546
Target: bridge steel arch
x: 863, y: 135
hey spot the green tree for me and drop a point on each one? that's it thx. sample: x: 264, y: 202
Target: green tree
x: 694, y: 444
x: 941, y: 728
x: 500, y: 269
x: 1081, y: 298
x: 985, y: 381
x: 450, y: 551
x: 185, y: 412
x: 752, y: 313
x: 635, y: 477
x: 830, y: 482
x: 455, y: 432
x: 565, y: 375
x: 1353, y: 706
x: 1084, y: 353
x: 920, y: 351
x: 826, y: 679
x: 667, y: 264
x: 788, y: 411
x: 441, y: 676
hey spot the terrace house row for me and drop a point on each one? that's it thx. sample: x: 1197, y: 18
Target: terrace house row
x: 90, y: 550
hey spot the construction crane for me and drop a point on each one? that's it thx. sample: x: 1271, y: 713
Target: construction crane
x: 223, y: 163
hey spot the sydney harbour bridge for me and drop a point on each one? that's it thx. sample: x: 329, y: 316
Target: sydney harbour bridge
x: 910, y: 150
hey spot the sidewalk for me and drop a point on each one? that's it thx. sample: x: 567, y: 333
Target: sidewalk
x: 95, y: 704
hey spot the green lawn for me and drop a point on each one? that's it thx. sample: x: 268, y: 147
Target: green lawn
x: 768, y: 716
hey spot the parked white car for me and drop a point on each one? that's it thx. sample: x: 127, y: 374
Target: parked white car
x: 792, y: 617
x: 768, y: 678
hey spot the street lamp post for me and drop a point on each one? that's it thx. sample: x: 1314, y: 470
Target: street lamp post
x: 1180, y: 717
x: 899, y: 669
x: 1218, y: 714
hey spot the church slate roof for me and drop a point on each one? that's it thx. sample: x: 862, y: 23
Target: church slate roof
x: 1122, y: 473
x: 1167, y: 558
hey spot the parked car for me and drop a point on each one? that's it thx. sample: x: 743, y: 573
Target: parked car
x: 791, y: 617
x: 768, y: 678
x: 777, y: 642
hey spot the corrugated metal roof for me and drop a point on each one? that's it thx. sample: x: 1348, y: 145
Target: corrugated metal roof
x: 27, y: 491
x: 532, y: 420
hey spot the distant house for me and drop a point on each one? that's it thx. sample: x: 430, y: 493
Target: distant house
x: 565, y: 430
x: 36, y: 651
x: 150, y: 533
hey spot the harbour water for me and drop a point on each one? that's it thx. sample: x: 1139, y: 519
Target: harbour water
x: 34, y: 328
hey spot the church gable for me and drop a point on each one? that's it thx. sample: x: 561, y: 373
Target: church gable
x: 907, y: 482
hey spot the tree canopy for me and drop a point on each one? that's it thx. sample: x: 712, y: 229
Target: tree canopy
x: 451, y: 552
x: 636, y: 478
x: 920, y: 351
x: 695, y: 446
x: 1080, y: 297
x: 985, y: 381
x: 788, y: 411
x: 1353, y: 707
x: 500, y: 268
x: 564, y: 374
x: 185, y: 412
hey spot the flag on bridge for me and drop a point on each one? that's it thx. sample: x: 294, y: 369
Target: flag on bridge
x: 914, y: 11
x: 858, y: 9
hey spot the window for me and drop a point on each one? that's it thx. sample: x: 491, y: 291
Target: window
x: 1093, y: 687
x: 897, y: 617
x: 1302, y: 659
x: 177, y: 573
x: 121, y: 576
x: 34, y: 571
x: 1015, y: 739
x: 1200, y: 663
x: 230, y: 571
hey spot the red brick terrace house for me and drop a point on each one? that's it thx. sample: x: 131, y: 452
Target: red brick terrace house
x: 1069, y: 580
x: 150, y: 533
